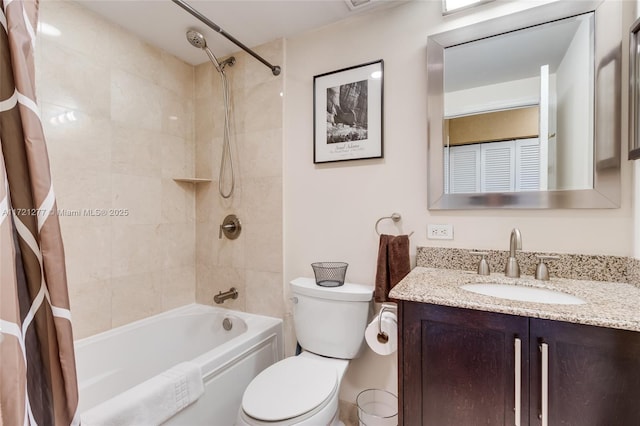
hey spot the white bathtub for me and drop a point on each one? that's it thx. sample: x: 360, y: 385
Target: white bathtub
x: 116, y: 360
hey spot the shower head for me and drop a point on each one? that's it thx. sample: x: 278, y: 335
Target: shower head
x: 196, y: 39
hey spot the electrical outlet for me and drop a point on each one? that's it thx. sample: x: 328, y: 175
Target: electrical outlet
x: 440, y: 232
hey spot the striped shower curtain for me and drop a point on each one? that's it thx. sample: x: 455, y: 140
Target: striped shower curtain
x: 37, y: 365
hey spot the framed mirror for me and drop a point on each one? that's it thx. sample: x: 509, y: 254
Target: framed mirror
x: 524, y: 110
x: 634, y: 91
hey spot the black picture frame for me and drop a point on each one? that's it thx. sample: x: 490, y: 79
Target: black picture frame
x: 348, y: 113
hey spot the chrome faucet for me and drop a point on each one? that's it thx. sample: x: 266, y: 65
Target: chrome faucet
x: 512, y: 269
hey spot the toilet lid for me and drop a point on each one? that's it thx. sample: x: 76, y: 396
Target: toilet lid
x: 289, y: 388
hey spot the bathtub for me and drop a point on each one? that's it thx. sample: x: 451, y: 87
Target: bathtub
x: 116, y: 360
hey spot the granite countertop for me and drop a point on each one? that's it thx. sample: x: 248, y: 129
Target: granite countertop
x: 608, y: 304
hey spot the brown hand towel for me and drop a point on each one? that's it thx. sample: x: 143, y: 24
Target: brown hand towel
x: 393, y: 264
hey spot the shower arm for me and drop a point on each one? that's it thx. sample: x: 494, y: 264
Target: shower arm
x: 275, y: 69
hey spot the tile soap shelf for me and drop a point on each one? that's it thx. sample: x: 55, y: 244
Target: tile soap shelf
x: 192, y: 180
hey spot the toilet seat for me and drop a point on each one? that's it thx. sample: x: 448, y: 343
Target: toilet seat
x: 290, y: 388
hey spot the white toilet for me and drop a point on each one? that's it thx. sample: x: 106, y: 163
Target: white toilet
x: 303, y: 390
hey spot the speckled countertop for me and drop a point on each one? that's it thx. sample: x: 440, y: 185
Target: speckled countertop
x: 608, y: 304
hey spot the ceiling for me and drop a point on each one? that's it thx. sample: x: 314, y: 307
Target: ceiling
x: 163, y: 23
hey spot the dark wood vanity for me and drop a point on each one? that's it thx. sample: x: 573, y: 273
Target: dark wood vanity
x: 461, y: 367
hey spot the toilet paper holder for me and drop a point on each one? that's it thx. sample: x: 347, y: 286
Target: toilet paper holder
x: 389, y: 307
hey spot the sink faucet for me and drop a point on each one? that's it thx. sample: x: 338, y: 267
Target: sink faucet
x: 512, y: 269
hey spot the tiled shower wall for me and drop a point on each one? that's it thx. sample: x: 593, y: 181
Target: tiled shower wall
x: 133, y: 132
x: 253, y: 262
x: 122, y: 120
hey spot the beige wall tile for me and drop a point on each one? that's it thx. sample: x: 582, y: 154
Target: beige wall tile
x: 80, y: 30
x: 177, y: 114
x: 135, y: 297
x: 206, y: 233
x: 75, y: 81
x: 140, y: 196
x: 92, y: 244
x: 177, y: 76
x: 135, y: 152
x: 177, y: 156
x: 264, y: 247
x: 264, y: 293
x: 204, y: 158
x: 205, y: 76
x: 204, y: 284
x: 135, y: 101
x: 127, y: 52
x: 206, y: 202
x: 76, y: 146
x: 83, y: 192
x: 261, y: 153
x: 135, y: 249
x: 90, y: 307
x: 178, y: 287
x: 263, y: 107
x: 177, y: 244
x: 263, y: 201
x: 178, y: 202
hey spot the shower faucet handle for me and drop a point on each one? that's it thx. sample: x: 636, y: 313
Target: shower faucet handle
x: 230, y: 227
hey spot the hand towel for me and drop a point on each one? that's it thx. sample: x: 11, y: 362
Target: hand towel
x: 152, y: 402
x: 393, y: 264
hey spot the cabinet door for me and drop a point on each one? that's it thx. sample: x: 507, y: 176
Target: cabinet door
x: 458, y: 366
x: 593, y: 375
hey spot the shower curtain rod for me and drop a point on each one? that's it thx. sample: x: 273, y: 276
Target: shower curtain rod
x: 275, y: 69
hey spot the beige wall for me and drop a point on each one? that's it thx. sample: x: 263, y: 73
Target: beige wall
x: 133, y: 134
x: 331, y: 209
x: 253, y: 262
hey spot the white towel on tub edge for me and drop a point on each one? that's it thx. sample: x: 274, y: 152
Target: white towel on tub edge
x: 151, y: 402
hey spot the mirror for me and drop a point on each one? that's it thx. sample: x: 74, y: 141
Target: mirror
x: 524, y: 110
x: 634, y: 91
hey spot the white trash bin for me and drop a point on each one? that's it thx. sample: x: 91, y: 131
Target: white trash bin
x: 377, y: 407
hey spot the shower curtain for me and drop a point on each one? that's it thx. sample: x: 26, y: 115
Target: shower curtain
x: 37, y: 364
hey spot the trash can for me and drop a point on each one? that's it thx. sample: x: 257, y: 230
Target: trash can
x: 377, y: 407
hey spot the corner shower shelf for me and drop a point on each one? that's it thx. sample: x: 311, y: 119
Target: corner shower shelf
x: 192, y: 180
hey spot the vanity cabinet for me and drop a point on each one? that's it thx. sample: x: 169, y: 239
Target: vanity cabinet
x: 467, y: 367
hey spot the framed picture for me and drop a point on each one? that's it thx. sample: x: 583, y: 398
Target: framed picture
x: 634, y: 91
x: 347, y: 114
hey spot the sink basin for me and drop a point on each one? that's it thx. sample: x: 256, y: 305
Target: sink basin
x: 523, y: 293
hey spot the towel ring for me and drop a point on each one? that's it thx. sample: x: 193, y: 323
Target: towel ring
x: 394, y: 217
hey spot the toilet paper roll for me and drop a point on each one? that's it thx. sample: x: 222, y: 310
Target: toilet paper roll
x: 389, y: 326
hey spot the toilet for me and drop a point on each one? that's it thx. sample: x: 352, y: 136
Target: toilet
x: 303, y: 390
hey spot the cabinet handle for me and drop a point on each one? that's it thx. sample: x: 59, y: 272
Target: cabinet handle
x: 517, y: 343
x: 544, y: 348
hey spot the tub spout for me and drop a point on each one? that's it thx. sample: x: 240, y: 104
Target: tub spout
x: 232, y: 293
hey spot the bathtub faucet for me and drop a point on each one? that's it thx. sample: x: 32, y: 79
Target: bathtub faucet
x: 232, y: 293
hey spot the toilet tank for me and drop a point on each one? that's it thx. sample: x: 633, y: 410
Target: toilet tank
x: 330, y: 321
